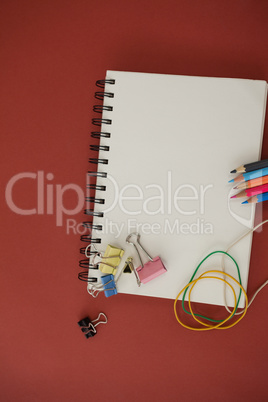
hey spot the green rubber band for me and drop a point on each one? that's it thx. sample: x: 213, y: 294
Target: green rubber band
x: 199, y: 265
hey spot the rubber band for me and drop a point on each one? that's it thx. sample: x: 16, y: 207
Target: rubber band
x: 189, y: 299
x: 223, y: 268
x: 190, y: 285
x: 199, y: 265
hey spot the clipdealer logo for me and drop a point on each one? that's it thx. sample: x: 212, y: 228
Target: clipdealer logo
x: 150, y: 200
x: 45, y: 196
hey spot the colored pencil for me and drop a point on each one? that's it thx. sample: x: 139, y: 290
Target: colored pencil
x: 253, y: 183
x: 250, y: 175
x: 256, y: 199
x: 250, y: 192
x: 251, y: 166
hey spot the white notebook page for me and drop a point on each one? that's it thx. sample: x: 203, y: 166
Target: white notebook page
x: 174, y: 140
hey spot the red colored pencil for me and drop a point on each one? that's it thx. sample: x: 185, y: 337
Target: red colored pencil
x: 250, y: 192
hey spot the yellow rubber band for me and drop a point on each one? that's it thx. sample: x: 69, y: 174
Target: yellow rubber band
x: 189, y: 300
x: 208, y: 326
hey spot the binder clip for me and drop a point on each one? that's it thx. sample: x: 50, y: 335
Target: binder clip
x: 152, y: 268
x: 113, y: 255
x: 88, y: 327
x: 109, y: 286
x: 128, y: 269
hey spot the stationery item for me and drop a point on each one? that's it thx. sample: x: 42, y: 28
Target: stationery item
x: 164, y: 174
x: 251, y: 166
x: 107, y: 263
x: 212, y: 274
x: 221, y: 275
x: 94, y: 289
x: 111, y: 259
x: 83, y: 275
x: 87, y: 264
x: 257, y: 198
x: 109, y: 285
x: 250, y: 175
x: 152, y: 268
x: 253, y: 183
x: 241, y: 238
x: 88, y: 327
x: 128, y: 269
x: 252, y: 191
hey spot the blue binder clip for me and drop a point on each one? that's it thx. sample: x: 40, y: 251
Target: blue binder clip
x: 109, y: 286
x: 88, y: 327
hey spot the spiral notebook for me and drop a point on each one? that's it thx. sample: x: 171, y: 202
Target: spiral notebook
x: 167, y: 145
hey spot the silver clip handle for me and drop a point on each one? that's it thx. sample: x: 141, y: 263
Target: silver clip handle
x: 134, y: 245
x: 143, y: 249
x: 98, y: 320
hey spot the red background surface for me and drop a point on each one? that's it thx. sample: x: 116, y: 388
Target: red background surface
x: 51, y: 54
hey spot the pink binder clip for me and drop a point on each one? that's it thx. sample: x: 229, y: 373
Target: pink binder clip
x: 152, y: 268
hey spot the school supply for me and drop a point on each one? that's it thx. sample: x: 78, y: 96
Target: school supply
x: 111, y: 259
x: 225, y: 278
x: 128, y: 269
x: 153, y: 268
x: 88, y: 327
x: 216, y: 275
x: 257, y: 198
x: 250, y: 175
x: 252, y: 183
x: 109, y: 286
x: 252, y: 191
x: 162, y: 157
x: 106, y: 262
x: 248, y: 167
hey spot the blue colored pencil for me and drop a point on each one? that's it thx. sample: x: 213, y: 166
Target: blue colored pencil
x: 255, y: 174
x: 257, y: 198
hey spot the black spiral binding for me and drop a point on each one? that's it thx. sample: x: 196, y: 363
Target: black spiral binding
x: 96, y: 121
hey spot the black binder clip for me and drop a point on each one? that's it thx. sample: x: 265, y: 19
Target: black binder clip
x: 88, y: 327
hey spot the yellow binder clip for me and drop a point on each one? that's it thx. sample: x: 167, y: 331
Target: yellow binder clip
x: 113, y: 257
